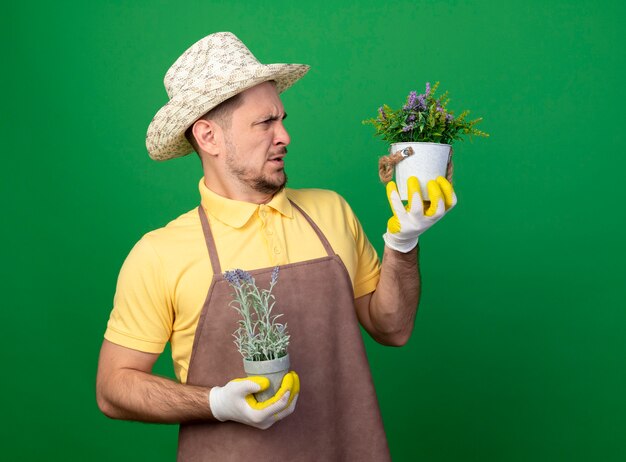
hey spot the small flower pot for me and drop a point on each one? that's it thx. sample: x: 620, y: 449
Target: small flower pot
x: 273, y: 369
x: 429, y: 161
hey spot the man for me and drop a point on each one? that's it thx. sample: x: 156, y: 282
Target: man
x: 226, y: 106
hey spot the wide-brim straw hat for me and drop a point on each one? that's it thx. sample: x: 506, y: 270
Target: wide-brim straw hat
x: 212, y: 70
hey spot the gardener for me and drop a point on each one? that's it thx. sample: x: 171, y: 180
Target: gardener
x: 225, y: 105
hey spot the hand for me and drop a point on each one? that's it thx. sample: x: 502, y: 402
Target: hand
x: 235, y: 401
x: 407, y: 223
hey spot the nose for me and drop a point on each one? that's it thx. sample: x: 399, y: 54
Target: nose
x: 281, y: 136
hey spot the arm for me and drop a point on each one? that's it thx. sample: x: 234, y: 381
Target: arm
x: 388, y: 314
x: 127, y: 389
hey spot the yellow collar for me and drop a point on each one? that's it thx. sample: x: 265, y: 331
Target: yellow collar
x: 237, y: 213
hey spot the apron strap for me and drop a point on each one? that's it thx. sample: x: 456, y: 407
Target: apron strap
x: 318, y: 231
x: 210, y: 242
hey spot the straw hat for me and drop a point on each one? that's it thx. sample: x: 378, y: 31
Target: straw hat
x: 210, y: 71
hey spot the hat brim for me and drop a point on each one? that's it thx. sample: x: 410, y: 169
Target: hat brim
x: 165, y: 138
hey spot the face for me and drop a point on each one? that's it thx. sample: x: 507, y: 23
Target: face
x: 256, y: 142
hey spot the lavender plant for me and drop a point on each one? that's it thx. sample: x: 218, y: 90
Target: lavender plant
x: 424, y: 118
x: 259, y: 336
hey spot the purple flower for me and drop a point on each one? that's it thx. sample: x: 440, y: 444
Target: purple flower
x: 427, y: 88
x: 274, y: 275
x: 237, y: 277
x: 410, y: 102
x: 408, y: 128
x: 382, y: 114
x: 449, y: 117
x: 415, y: 102
x: 411, y: 118
x: 232, y: 278
x: 421, y: 103
x: 244, y: 276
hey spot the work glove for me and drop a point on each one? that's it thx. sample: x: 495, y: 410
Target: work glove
x: 235, y: 401
x: 408, y: 223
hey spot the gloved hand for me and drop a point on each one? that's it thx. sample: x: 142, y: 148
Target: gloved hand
x: 407, y: 223
x: 235, y: 401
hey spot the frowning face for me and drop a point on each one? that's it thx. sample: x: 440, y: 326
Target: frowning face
x: 256, y: 142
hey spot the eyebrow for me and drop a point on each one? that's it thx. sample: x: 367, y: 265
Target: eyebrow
x: 275, y: 117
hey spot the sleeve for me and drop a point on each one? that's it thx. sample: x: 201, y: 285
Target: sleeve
x: 142, y: 315
x: 367, y: 263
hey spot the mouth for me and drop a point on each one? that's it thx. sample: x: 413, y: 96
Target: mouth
x: 277, y: 160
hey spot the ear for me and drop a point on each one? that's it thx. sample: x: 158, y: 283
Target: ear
x: 208, y: 135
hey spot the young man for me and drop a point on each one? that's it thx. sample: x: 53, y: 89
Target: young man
x: 171, y: 286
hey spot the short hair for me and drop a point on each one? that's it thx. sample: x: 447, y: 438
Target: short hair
x: 222, y: 114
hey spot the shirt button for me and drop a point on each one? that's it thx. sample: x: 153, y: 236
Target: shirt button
x: 269, y: 232
x: 276, y: 249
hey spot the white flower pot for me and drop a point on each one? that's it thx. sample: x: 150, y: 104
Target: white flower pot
x: 273, y: 369
x: 429, y: 161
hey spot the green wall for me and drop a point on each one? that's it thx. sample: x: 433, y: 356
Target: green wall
x: 519, y: 347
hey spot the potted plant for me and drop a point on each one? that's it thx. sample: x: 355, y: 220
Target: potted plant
x: 261, y: 340
x: 421, y: 134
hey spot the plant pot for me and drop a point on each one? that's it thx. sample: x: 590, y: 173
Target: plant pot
x: 429, y: 161
x: 273, y: 369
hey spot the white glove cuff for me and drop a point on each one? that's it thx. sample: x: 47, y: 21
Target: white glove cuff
x: 401, y: 245
x: 215, y: 402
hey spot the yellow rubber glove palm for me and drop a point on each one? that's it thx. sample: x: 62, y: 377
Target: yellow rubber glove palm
x: 235, y: 401
x: 408, y: 223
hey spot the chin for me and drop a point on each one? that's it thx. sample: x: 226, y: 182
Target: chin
x: 266, y: 186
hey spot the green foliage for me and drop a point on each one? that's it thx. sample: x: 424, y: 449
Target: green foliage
x: 259, y: 337
x: 424, y: 118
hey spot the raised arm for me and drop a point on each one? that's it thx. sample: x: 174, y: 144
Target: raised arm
x: 388, y: 313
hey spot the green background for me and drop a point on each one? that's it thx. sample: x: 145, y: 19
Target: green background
x: 519, y: 347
